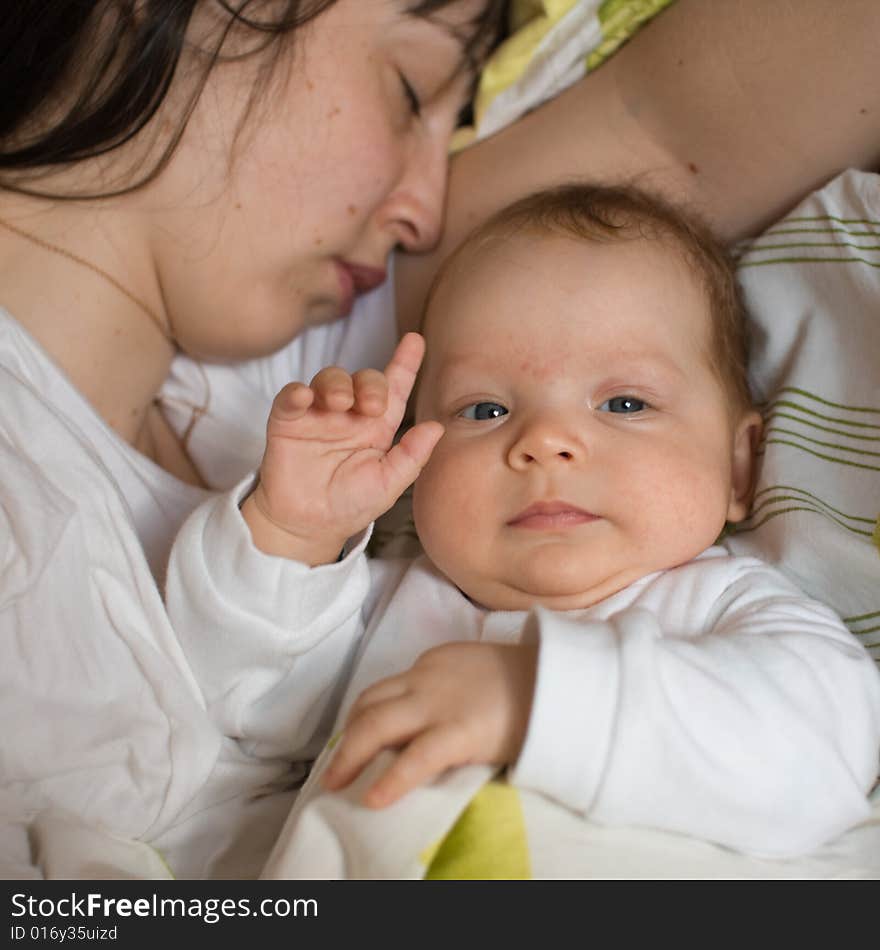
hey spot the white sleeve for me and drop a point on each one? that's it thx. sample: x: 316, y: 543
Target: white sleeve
x: 270, y: 640
x: 762, y: 734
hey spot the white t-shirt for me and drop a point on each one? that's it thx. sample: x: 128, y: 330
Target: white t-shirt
x: 713, y: 699
x: 104, y: 721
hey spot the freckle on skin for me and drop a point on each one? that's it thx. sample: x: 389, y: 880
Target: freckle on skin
x: 310, y: 85
x: 334, y: 112
x: 863, y: 111
x: 352, y: 210
x: 693, y: 168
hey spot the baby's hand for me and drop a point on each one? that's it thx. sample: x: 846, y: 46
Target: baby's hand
x: 459, y: 704
x: 329, y: 468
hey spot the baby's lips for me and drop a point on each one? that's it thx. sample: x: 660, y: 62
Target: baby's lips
x: 549, y: 513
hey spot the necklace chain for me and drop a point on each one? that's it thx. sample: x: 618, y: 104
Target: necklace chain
x: 197, y: 411
x: 63, y: 252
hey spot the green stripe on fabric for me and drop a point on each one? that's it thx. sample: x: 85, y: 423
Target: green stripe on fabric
x: 831, y: 217
x: 815, y: 498
x: 824, y: 445
x: 738, y: 529
x: 860, y: 617
x: 827, y: 402
x: 808, y: 260
x: 815, y: 425
x: 862, y: 633
x: 779, y: 232
x: 852, y: 622
x: 838, y: 516
x: 827, y: 458
x: 768, y: 408
x: 808, y: 244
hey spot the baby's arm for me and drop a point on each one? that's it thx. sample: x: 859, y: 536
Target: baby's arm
x: 270, y: 637
x: 330, y: 468
x: 761, y: 734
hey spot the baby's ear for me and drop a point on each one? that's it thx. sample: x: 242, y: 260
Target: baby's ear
x: 742, y: 477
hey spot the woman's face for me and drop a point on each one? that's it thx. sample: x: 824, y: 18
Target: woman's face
x: 259, y: 235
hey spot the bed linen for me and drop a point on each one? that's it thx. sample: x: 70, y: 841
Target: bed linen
x: 552, y: 43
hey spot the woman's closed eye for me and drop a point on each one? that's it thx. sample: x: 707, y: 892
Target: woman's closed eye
x: 483, y: 411
x: 626, y: 405
x: 411, y: 95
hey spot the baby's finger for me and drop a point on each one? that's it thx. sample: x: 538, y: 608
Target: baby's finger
x: 370, y: 392
x: 333, y: 389
x: 428, y: 755
x: 391, y: 688
x: 402, y: 370
x: 380, y: 726
x: 292, y: 402
x: 408, y: 457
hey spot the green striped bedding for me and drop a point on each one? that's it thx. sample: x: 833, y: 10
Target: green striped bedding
x: 812, y: 285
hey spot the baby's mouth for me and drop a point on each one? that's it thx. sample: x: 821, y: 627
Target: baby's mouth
x: 551, y: 515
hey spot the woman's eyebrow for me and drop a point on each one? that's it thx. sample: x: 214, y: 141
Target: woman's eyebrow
x: 475, y: 40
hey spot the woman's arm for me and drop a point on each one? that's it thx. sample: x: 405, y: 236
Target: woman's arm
x: 739, y: 107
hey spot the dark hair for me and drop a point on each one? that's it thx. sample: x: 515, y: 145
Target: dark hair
x: 624, y: 213
x: 105, y: 67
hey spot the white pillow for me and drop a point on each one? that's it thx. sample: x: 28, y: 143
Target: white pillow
x: 812, y: 285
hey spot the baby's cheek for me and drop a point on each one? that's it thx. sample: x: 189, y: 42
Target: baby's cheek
x: 690, y: 509
x: 446, y: 508
x: 432, y: 498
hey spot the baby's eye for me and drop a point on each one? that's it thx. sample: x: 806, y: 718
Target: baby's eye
x: 481, y: 411
x: 625, y: 404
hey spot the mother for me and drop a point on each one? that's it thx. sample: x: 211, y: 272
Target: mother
x: 192, y: 194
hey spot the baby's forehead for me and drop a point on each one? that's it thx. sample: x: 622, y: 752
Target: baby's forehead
x: 470, y: 275
x: 534, y: 263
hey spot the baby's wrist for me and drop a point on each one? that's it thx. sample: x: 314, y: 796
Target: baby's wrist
x: 279, y: 541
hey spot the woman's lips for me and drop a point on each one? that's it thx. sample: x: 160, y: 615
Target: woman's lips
x: 354, y: 280
x: 551, y: 516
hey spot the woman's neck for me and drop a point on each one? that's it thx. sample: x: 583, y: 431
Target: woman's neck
x: 80, y: 283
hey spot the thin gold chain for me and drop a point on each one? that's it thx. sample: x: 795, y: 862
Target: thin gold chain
x: 47, y: 246
x: 197, y: 411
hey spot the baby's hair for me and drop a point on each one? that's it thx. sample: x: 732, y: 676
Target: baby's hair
x: 599, y: 213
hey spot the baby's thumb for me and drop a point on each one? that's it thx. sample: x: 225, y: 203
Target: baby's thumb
x: 410, y: 455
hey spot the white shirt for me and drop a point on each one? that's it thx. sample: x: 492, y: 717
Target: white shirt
x: 104, y: 721
x: 713, y: 699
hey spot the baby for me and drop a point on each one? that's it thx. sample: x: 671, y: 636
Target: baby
x: 583, y: 434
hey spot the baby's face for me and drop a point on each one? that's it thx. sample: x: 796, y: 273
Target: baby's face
x: 588, y: 441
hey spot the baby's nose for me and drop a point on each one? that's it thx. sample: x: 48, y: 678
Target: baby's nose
x: 545, y: 443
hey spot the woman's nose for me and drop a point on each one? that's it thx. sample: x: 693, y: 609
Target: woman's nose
x: 414, y: 211
x: 544, y: 443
